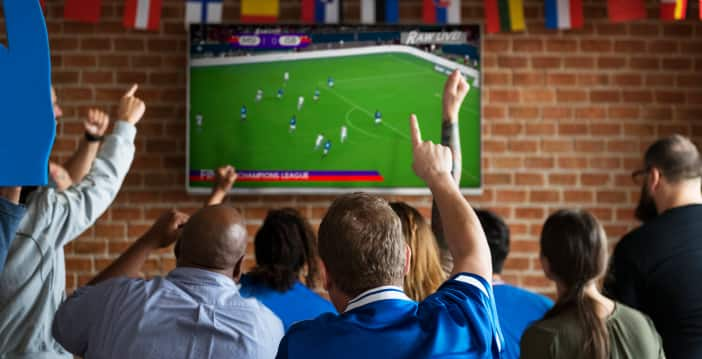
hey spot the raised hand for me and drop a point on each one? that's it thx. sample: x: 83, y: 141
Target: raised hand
x: 27, y: 128
x: 455, y: 91
x: 164, y: 231
x: 432, y: 162
x: 131, y: 108
x: 225, y: 177
x: 97, y: 123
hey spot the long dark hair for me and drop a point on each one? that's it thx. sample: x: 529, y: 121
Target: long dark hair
x: 575, y: 246
x: 284, y: 244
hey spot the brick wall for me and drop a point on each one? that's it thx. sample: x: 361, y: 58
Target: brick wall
x: 565, y: 118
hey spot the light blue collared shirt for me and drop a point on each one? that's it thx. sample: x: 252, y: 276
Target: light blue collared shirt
x: 191, y: 313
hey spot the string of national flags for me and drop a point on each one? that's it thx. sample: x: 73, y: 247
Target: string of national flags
x: 500, y: 15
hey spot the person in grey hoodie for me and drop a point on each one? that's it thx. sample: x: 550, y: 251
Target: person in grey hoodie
x: 32, y: 285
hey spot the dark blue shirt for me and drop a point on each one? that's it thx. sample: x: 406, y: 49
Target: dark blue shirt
x: 297, y: 304
x: 517, y: 309
x: 10, y: 216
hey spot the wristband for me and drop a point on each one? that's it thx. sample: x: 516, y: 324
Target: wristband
x: 92, y: 138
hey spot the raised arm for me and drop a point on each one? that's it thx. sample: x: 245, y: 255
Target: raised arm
x: 162, y: 234
x: 455, y: 91
x: 225, y: 177
x: 463, y: 233
x: 95, y: 127
x: 72, y: 211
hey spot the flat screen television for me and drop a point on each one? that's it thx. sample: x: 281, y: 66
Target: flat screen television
x: 324, y: 109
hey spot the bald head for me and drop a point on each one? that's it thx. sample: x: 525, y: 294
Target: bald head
x: 213, y: 238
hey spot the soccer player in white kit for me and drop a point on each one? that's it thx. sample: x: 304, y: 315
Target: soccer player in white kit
x: 318, y: 141
x: 259, y: 95
x: 286, y: 76
x: 300, y: 102
x: 198, y: 120
x: 344, y: 133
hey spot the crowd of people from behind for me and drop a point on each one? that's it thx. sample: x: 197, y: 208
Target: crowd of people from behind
x: 398, y: 286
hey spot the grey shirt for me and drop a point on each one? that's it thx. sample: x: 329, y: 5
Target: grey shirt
x: 191, y: 313
x: 32, y: 285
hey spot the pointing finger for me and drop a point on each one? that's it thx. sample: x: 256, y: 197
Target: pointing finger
x: 132, y: 91
x: 416, y: 133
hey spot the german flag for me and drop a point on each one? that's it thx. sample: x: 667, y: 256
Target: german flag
x: 504, y: 15
x: 259, y: 11
x: 673, y: 9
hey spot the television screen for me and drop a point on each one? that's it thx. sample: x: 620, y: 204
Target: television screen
x: 325, y: 109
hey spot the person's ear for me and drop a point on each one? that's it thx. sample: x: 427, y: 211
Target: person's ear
x: 408, y: 258
x: 236, y: 273
x: 654, y: 180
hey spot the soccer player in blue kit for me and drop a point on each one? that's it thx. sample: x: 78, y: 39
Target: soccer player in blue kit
x: 293, y: 124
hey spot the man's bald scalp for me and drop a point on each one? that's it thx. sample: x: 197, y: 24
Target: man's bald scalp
x: 214, y: 237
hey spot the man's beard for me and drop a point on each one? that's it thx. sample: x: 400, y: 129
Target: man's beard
x: 646, y: 209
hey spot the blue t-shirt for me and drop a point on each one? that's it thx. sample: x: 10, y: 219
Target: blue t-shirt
x: 517, y: 308
x: 458, y: 321
x: 297, y: 304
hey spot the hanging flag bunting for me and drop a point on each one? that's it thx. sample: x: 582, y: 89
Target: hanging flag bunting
x: 203, y: 11
x: 379, y: 11
x: 504, y: 15
x: 142, y: 14
x: 564, y: 14
x: 82, y: 10
x: 322, y: 11
x: 673, y: 9
x: 442, y: 12
x: 626, y: 10
x: 259, y: 11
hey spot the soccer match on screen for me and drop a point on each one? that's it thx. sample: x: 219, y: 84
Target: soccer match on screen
x: 325, y: 107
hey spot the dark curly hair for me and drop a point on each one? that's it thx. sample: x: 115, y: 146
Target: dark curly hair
x: 284, y: 244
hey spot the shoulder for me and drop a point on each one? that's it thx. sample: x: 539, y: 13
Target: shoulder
x: 523, y: 294
x: 630, y: 316
x: 540, y: 340
x: 312, y: 296
x: 463, y: 289
x: 314, y: 327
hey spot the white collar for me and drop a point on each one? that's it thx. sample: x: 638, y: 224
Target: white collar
x: 375, y: 295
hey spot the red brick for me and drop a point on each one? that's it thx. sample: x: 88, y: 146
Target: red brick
x: 545, y: 62
x: 561, y: 46
x: 561, y: 179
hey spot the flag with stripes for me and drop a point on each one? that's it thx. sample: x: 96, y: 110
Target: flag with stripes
x: 379, y: 11
x: 82, y: 10
x: 564, y: 14
x: 259, y: 11
x: 142, y: 14
x: 322, y: 11
x: 203, y: 11
x: 673, y: 9
x: 504, y: 15
x: 626, y: 10
x: 441, y: 12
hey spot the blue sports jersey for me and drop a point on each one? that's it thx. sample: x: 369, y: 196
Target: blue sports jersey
x: 293, y: 121
x: 377, y: 114
x: 458, y: 321
x: 517, y: 308
x: 327, y: 145
x: 296, y: 304
x: 243, y: 110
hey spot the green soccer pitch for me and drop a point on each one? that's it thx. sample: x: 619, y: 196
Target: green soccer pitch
x: 394, y: 83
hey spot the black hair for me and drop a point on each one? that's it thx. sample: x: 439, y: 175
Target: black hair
x: 284, y: 244
x: 497, y: 234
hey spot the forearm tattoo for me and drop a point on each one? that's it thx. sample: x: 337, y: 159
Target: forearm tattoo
x: 451, y: 138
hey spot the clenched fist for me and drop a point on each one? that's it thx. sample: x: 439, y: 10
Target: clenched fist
x: 131, y: 108
x: 97, y: 123
x: 164, y: 231
x: 455, y: 92
x: 225, y: 177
